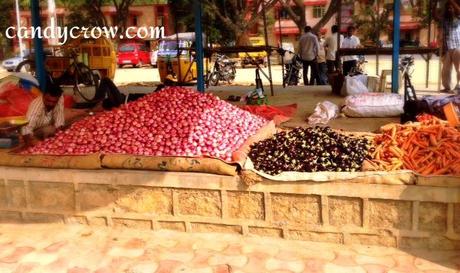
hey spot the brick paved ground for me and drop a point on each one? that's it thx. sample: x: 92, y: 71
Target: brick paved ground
x: 81, y: 249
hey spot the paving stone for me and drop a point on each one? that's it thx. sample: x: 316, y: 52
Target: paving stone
x: 233, y: 249
x: 201, y: 258
x: 404, y: 269
x: 26, y: 268
x: 314, y: 265
x: 177, y: 256
x: 275, y: 264
x: 333, y: 268
x: 77, y: 269
x: 323, y: 254
x: 105, y: 269
x: 256, y: 261
x: 142, y: 268
x: 209, y: 244
x: 344, y: 260
x: 386, y: 260
x: 40, y: 258
x: 404, y: 260
x: 17, y: 254
x: 120, y: 251
x: 272, y: 250
x: 237, y: 261
x: 135, y: 243
x: 168, y: 266
x: 54, y: 247
x: 374, y: 268
x: 185, y: 269
x: 288, y: 255
x: 225, y: 268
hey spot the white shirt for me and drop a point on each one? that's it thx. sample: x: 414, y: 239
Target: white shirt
x: 331, y: 44
x: 308, y: 46
x: 321, y: 52
x: 350, y: 42
x: 37, y: 116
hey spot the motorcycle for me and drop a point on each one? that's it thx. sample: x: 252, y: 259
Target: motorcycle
x: 293, y: 70
x: 224, y: 70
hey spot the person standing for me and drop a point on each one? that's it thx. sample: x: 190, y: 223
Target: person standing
x: 308, y: 51
x: 330, y: 45
x: 322, y: 66
x: 451, y: 43
x: 350, y: 41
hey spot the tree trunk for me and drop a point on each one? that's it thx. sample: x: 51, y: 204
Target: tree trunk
x: 331, y: 10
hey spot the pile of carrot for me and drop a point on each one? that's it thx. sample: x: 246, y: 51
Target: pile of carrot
x: 429, y: 147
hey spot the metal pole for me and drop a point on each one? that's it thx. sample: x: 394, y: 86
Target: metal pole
x: 377, y: 56
x: 281, y: 46
x: 38, y: 44
x: 18, y: 19
x: 396, y: 35
x: 199, y: 45
x: 428, y: 44
x: 268, y: 51
x: 339, y: 25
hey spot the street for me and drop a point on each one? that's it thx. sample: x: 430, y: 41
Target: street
x: 246, y: 76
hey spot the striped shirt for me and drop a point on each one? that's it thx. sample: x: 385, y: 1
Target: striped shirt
x: 452, y: 33
x: 38, y: 117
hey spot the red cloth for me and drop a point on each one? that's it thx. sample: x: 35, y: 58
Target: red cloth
x: 278, y: 114
x: 68, y: 101
x: 17, y: 101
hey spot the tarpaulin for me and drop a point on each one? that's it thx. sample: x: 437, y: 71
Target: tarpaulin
x: 278, y: 114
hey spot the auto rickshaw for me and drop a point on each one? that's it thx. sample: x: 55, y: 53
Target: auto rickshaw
x: 176, y: 58
x: 97, y: 54
x: 254, y: 58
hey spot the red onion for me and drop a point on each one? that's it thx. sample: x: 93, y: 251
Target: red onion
x: 173, y: 122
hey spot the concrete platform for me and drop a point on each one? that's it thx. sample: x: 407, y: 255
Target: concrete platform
x: 389, y: 213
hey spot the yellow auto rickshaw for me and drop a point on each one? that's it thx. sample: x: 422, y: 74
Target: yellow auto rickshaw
x: 97, y: 54
x: 175, y: 58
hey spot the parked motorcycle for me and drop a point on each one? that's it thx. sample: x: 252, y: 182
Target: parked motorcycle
x: 224, y: 71
x: 293, y: 70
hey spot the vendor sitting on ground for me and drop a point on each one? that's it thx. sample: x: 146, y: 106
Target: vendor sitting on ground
x: 45, y: 114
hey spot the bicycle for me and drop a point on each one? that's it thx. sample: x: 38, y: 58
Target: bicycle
x: 75, y: 74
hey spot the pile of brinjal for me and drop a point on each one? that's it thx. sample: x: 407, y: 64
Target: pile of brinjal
x: 313, y: 149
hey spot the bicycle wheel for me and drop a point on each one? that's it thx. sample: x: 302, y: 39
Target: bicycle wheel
x: 84, y: 75
x: 27, y: 66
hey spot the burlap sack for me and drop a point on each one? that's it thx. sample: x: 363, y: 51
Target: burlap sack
x: 175, y: 164
x: 394, y: 178
x: 240, y: 155
x: 85, y: 162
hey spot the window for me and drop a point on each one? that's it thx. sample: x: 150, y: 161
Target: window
x: 282, y: 14
x: 318, y: 11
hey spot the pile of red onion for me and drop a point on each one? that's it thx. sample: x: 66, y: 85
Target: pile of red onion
x: 173, y: 122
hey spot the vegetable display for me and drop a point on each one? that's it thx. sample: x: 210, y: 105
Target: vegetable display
x: 429, y: 147
x: 173, y: 122
x: 309, y: 150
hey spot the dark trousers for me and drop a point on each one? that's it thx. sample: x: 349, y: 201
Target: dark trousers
x: 348, y: 66
x: 314, y: 72
x: 332, y: 66
x: 322, y: 74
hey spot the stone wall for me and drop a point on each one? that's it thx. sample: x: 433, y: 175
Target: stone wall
x: 405, y: 216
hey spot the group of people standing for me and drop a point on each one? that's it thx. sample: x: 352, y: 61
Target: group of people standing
x: 319, y: 55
